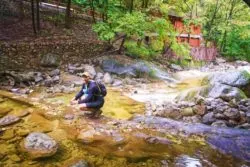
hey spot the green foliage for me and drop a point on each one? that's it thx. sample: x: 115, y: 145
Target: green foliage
x: 138, y: 51
x: 238, y: 43
x: 227, y: 23
x: 105, y: 32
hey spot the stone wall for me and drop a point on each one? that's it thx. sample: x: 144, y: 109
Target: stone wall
x: 21, y: 55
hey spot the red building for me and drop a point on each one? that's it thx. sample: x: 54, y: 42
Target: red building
x: 190, y: 34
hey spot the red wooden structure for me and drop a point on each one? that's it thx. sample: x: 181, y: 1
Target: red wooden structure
x: 190, y: 34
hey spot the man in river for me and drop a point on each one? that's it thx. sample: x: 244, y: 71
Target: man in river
x: 90, y: 98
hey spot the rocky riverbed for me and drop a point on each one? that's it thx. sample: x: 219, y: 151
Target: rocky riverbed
x: 151, y: 117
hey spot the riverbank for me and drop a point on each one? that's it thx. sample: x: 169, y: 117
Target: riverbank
x: 137, y: 126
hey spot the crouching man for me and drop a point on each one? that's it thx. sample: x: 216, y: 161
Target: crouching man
x: 91, y: 96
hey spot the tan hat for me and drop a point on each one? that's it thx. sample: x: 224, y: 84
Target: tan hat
x: 86, y: 74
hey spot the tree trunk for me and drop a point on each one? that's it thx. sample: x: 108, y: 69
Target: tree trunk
x: 131, y: 6
x: 67, y: 15
x: 122, y: 43
x: 93, y: 10
x: 38, y: 15
x: 33, y: 16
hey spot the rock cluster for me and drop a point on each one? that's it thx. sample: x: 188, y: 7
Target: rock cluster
x: 215, y: 112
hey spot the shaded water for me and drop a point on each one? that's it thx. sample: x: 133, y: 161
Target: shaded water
x: 113, y: 143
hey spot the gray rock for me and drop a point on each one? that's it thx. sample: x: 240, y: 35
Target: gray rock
x: 54, y: 72
x: 244, y: 126
x: 220, y: 60
x: 234, y: 78
x: 73, y: 69
x: 117, y: 83
x: 176, y: 67
x: 186, y: 161
x: 219, y: 123
x: 8, y: 120
x: 48, y: 82
x: 99, y: 76
x: 56, y: 79
x: 50, y: 60
x: 90, y: 69
x: 242, y: 63
x: 39, y: 145
x: 248, y: 116
x: 225, y: 92
x: 208, y: 118
x: 107, y: 79
x: 192, y: 119
x: 38, y: 79
x: 220, y: 116
x: 232, y: 114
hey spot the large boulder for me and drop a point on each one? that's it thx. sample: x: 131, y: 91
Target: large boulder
x: 39, y: 145
x: 234, y: 78
x: 90, y: 69
x: 225, y: 92
x: 107, y: 78
x: 50, y: 60
x: 112, y: 66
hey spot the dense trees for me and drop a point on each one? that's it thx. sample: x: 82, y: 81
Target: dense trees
x: 144, y: 29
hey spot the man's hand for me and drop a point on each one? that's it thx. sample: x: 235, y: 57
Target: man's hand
x: 73, y: 102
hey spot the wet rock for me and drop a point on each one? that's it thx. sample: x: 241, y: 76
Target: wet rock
x: 69, y: 116
x: 220, y: 60
x: 248, y: 116
x: 186, y: 161
x: 244, y: 126
x: 81, y: 163
x: 232, y: 114
x: 48, y: 82
x: 117, y: 83
x: 39, y: 145
x: 176, y: 67
x: 8, y: 120
x: 234, y: 78
x: 88, y: 136
x: 220, y: 116
x: 99, y: 76
x: 90, y: 69
x: 225, y: 92
x: 187, y: 112
x: 50, y: 60
x: 219, y: 123
x: 241, y: 63
x: 193, y: 119
x: 38, y: 77
x: 208, y: 118
x: 107, y: 79
x: 232, y: 123
x: 56, y: 79
x: 200, y: 109
x: 76, y: 68
x: 54, y: 73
